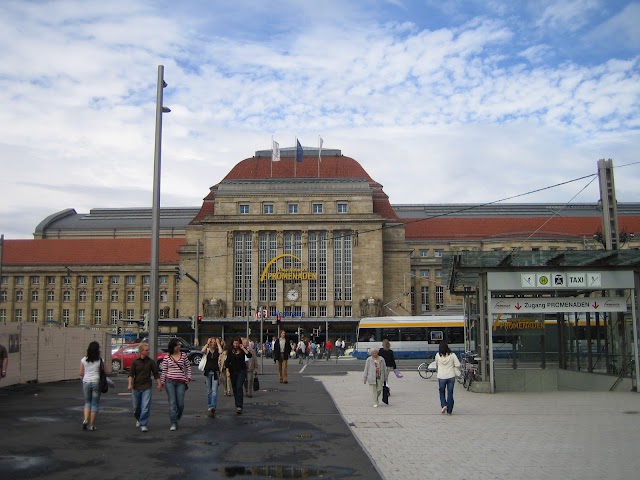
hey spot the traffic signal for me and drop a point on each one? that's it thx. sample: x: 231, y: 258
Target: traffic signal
x: 278, y: 318
x: 118, y: 330
x: 199, y: 318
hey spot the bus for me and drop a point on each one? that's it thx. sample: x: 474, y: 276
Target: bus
x: 411, y: 337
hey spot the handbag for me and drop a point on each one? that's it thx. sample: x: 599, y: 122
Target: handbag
x: 104, y: 385
x: 203, y: 362
x: 256, y: 383
x: 385, y: 393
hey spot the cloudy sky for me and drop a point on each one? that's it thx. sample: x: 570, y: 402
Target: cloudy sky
x: 441, y: 102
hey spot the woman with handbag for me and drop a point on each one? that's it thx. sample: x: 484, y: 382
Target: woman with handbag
x: 375, y: 374
x: 252, y: 367
x: 212, y: 351
x: 448, y: 368
x: 176, y: 375
x: 90, y: 367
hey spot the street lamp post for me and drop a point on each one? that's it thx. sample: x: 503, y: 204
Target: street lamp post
x: 155, y: 216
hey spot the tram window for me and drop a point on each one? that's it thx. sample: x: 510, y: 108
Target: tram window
x: 367, y: 335
x: 415, y: 334
x: 455, y: 335
x: 390, y: 334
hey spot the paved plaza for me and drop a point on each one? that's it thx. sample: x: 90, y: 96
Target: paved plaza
x: 533, y: 436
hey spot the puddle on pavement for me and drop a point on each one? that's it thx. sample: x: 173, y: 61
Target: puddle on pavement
x: 272, y: 471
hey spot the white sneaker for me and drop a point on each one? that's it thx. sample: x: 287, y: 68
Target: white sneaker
x: 173, y: 427
x: 137, y: 423
x: 375, y: 404
x: 144, y: 429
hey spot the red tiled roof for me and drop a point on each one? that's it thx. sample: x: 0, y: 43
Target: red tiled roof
x: 98, y: 251
x: 456, y: 228
x: 258, y: 168
x: 255, y: 168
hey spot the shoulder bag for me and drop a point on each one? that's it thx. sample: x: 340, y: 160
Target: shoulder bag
x: 104, y: 385
x: 203, y: 362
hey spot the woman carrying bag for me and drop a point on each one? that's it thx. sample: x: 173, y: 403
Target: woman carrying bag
x: 212, y: 351
x: 448, y: 369
x: 375, y: 374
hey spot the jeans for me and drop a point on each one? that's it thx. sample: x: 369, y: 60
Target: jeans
x: 237, y: 383
x: 212, y: 390
x: 175, y: 393
x: 447, y: 383
x: 92, y: 393
x: 141, y: 405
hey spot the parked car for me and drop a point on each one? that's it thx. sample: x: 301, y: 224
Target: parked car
x: 193, y: 353
x: 124, y: 356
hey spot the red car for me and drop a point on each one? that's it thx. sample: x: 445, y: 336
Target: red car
x: 124, y: 356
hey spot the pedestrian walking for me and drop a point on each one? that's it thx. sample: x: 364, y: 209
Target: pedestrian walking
x: 375, y: 374
x: 140, y: 385
x: 4, y: 361
x: 90, y: 366
x: 281, y: 353
x: 328, y: 348
x: 252, y: 367
x: 237, y: 371
x: 448, y: 367
x: 212, y: 350
x: 175, y: 378
x: 389, y: 358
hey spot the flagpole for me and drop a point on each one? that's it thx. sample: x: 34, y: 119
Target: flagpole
x: 295, y: 157
x: 271, y: 162
x: 319, y: 152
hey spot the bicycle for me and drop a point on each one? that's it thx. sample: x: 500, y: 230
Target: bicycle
x: 425, y: 369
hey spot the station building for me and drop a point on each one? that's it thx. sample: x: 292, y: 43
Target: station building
x: 316, y: 243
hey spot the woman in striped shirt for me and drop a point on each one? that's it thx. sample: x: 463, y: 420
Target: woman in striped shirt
x: 176, y: 375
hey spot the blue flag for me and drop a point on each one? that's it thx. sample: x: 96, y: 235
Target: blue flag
x: 298, y: 151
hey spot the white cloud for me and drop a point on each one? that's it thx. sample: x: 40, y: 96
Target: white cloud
x: 481, y: 118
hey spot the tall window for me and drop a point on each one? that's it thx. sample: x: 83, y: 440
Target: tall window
x: 3, y: 315
x: 164, y: 279
x: 35, y: 280
x: 115, y: 280
x: 131, y: 279
x: 97, y: 280
x: 18, y: 315
x: 34, y: 315
x: 97, y: 295
x: 19, y: 296
x: 146, y: 295
x: 439, y: 296
x: 4, y: 296
x: 34, y: 295
x: 244, y: 209
x: 82, y: 296
x: 267, y: 249
x: 146, y: 279
x: 50, y: 295
x: 342, y: 208
x: 49, y: 315
x: 242, y: 273
x: 424, y: 253
x: 424, y: 298
x: 316, y: 208
x: 82, y: 316
x: 65, y: 316
x: 267, y: 208
x: 97, y: 317
x: 19, y: 280
x: 130, y: 313
x: 114, y: 295
x: 292, y: 208
x: 51, y: 280
x: 164, y: 296
x: 131, y: 295
x: 66, y: 281
x: 318, y: 264
x: 113, y: 316
x: 82, y: 279
x: 342, y: 266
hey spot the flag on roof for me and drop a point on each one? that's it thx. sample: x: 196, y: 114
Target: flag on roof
x: 275, y: 152
x: 299, y: 151
x: 320, y: 142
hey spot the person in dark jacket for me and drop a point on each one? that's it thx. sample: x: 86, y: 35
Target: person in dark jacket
x: 212, y: 350
x: 281, y: 353
x: 237, y: 370
x: 390, y: 361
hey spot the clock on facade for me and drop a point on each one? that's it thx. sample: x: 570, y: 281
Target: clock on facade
x: 292, y: 294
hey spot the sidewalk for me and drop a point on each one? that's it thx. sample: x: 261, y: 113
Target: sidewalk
x: 568, y: 435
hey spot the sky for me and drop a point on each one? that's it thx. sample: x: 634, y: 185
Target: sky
x: 461, y: 101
